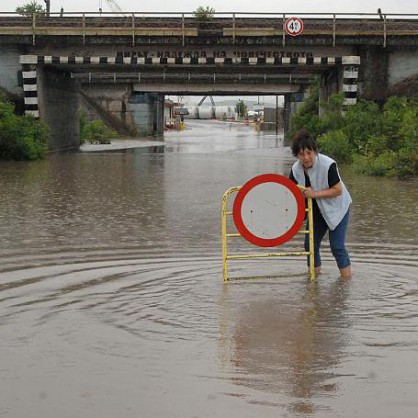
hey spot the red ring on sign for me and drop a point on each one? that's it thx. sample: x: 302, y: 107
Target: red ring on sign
x: 254, y: 182
x: 289, y: 31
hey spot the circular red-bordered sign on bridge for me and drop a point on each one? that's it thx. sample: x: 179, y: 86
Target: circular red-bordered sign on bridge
x: 269, y: 210
x: 293, y: 26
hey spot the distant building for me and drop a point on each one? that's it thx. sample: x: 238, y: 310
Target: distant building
x: 174, y: 113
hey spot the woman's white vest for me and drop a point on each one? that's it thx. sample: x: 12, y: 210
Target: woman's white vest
x: 333, y: 209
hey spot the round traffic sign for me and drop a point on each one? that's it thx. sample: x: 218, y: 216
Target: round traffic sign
x: 293, y: 26
x: 269, y: 210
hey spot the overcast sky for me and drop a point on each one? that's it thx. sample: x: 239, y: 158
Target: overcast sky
x: 281, y: 6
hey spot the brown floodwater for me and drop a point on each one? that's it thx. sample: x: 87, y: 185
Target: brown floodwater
x: 112, y: 302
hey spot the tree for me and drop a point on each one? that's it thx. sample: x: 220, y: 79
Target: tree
x: 21, y: 137
x: 204, y: 14
x: 241, y: 108
x: 29, y: 8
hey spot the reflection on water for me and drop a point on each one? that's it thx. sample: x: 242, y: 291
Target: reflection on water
x: 290, y: 342
x: 112, y: 302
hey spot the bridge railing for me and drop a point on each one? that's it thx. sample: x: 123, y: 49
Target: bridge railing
x: 183, y: 25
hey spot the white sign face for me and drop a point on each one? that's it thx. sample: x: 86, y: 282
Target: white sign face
x: 269, y: 210
x: 293, y: 26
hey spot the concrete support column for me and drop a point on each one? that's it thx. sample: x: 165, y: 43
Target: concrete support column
x: 11, y: 70
x: 54, y: 99
x: 148, y: 113
x: 287, y: 113
x: 158, y: 115
x: 30, y: 90
x: 292, y: 102
x: 323, y: 94
x: 350, y: 77
x: 59, y: 105
x: 374, y: 72
x: 30, y: 84
x: 329, y: 84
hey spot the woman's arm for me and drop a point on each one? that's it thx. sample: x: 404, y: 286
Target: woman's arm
x: 333, y: 191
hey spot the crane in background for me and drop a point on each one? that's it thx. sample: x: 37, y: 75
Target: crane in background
x: 204, y: 98
x: 112, y: 5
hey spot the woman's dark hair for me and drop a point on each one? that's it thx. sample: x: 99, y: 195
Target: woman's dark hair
x: 303, y: 140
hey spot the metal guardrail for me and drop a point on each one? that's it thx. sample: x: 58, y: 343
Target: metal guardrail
x: 185, y: 24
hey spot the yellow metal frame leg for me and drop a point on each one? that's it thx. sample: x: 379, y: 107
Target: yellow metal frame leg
x: 224, y: 250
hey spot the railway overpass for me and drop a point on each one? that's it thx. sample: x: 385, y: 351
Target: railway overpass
x: 123, y: 66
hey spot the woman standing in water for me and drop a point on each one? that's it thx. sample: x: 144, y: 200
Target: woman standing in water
x: 319, y: 175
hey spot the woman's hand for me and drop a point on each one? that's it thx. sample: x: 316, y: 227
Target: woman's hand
x: 333, y: 191
x: 308, y: 192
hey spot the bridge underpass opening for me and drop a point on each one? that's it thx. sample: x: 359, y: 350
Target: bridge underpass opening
x: 158, y: 77
x: 265, y: 110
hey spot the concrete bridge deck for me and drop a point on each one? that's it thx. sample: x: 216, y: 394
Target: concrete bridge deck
x: 234, y: 28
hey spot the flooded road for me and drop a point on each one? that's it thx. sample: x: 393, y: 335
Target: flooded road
x: 112, y: 302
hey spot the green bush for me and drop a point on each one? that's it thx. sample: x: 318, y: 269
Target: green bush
x: 381, y: 142
x: 21, y: 137
x: 337, y: 145
x: 394, y: 112
x: 382, y: 165
x: 406, y: 163
x: 360, y: 122
x: 408, y: 129
x: 333, y: 117
x: 376, y: 144
x: 307, y: 115
x: 95, y: 131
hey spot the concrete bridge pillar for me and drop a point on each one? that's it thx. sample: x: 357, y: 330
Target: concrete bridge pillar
x: 373, y: 80
x: 292, y: 102
x: 30, y: 88
x: 59, y: 105
x: 148, y: 113
x: 350, y: 79
x: 53, y: 97
x: 287, y: 113
x: 343, y: 80
x: 328, y: 84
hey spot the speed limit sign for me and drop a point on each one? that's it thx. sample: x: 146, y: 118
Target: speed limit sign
x: 293, y: 26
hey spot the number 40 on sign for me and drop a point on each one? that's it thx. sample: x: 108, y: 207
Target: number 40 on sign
x: 293, y: 26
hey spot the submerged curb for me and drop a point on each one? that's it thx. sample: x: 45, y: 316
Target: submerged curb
x: 120, y: 144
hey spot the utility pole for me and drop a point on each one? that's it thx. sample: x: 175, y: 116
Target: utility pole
x: 48, y: 7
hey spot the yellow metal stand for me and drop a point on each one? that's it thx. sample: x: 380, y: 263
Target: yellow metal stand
x: 226, y: 235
